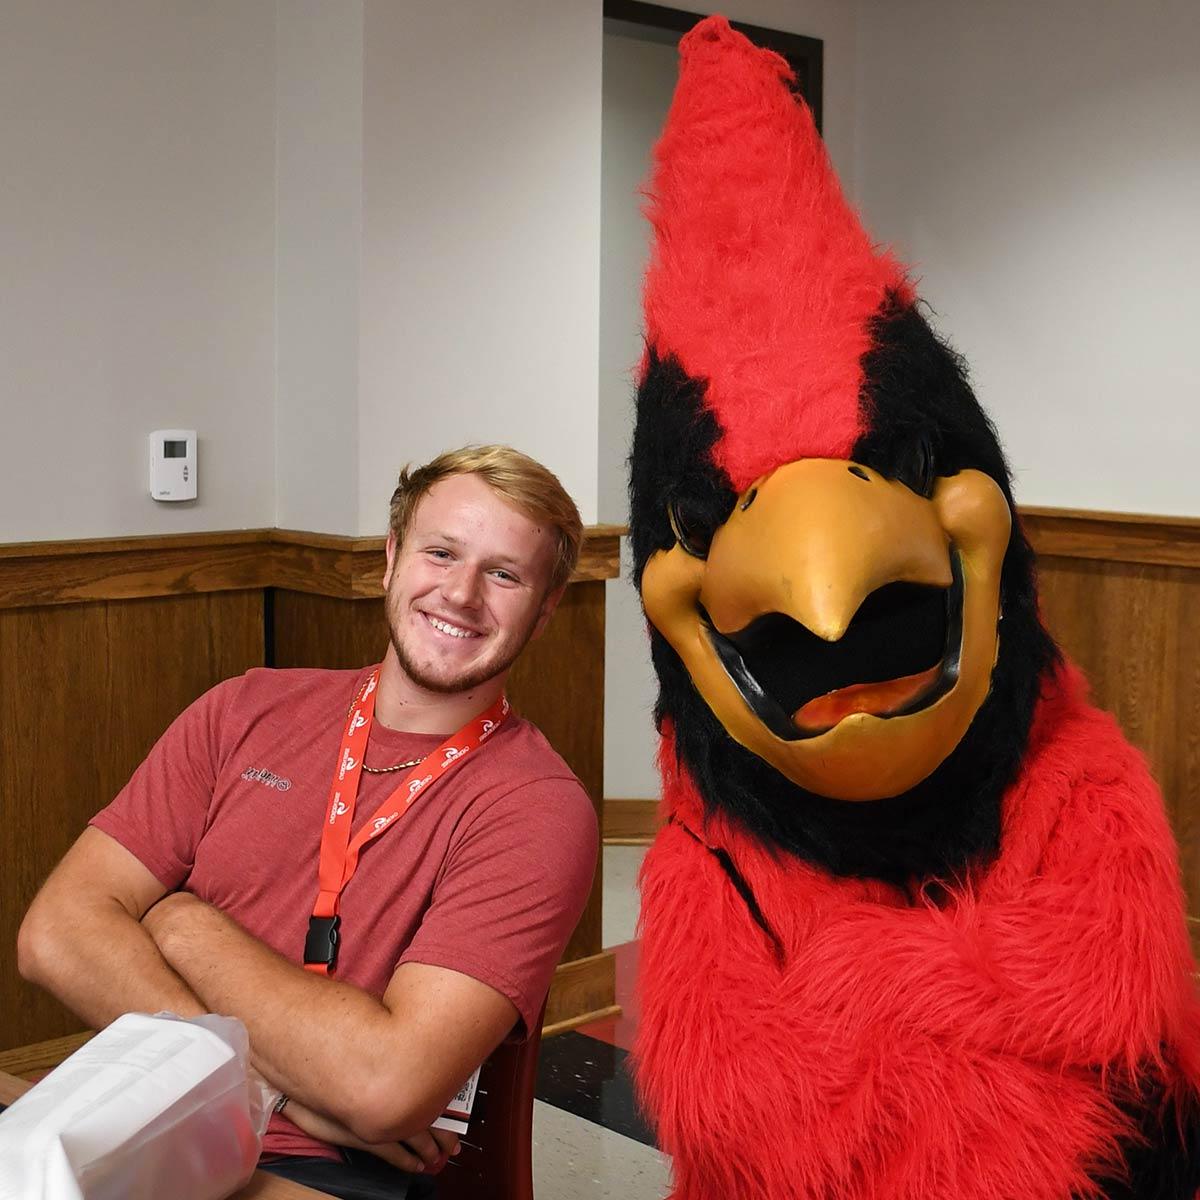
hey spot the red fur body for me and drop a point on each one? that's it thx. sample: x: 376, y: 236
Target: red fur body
x: 762, y: 280
x: 969, y: 1043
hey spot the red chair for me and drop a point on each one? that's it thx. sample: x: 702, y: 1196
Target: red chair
x: 496, y: 1159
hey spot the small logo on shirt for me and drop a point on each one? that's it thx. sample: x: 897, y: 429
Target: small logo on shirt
x: 262, y: 775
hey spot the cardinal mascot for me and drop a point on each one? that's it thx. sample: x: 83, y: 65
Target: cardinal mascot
x: 913, y: 927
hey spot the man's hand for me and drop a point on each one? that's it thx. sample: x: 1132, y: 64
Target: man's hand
x: 419, y: 1152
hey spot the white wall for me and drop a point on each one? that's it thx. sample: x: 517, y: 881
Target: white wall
x: 1040, y: 165
x: 639, y: 78
x: 319, y: 180
x: 332, y: 237
x: 481, y: 231
x: 137, y: 243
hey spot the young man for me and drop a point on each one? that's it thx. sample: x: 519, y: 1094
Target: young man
x: 431, y: 886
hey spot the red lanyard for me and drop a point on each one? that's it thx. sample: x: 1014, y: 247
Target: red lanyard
x: 339, y: 853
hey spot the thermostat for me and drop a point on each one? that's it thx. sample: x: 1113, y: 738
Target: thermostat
x: 173, y: 464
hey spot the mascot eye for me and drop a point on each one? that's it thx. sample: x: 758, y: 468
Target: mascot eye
x: 693, y: 533
x: 918, y: 471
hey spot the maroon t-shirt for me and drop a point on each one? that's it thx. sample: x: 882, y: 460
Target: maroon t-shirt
x: 486, y: 874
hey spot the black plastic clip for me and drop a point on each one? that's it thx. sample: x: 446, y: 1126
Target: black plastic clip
x: 321, y: 944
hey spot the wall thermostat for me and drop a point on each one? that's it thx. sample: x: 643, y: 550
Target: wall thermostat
x: 173, y: 464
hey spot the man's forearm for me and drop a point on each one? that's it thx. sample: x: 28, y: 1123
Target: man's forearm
x: 98, y: 960
x: 315, y: 1038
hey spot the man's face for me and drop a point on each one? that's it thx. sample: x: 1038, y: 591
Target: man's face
x: 468, y: 587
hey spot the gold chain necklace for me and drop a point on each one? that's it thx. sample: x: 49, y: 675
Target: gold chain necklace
x: 398, y: 767
x: 412, y: 762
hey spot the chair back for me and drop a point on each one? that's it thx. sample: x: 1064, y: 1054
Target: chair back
x: 496, y: 1158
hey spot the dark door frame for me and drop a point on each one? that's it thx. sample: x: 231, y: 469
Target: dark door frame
x: 805, y: 55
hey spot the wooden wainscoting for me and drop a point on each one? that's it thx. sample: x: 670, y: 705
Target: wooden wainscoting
x: 103, y: 643
x: 630, y: 822
x: 1122, y: 596
x: 85, y: 690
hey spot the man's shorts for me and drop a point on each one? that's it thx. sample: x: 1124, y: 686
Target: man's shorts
x: 361, y: 1177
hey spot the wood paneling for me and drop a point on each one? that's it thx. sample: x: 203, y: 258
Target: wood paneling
x: 1135, y: 630
x: 321, y: 631
x: 630, y: 822
x: 582, y: 990
x: 558, y: 684
x: 1114, y: 537
x: 44, y: 573
x: 85, y: 690
x: 11, y: 1088
x: 600, y: 556
x: 37, y: 1058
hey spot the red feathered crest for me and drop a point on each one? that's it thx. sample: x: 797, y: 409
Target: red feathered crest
x: 762, y: 280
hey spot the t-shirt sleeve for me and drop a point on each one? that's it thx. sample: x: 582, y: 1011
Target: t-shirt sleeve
x: 512, y: 891
x: 161, y: 813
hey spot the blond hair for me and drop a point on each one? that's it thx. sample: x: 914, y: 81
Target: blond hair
x: 524, y: 483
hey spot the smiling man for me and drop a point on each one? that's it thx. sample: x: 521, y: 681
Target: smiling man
x: 376, y: 870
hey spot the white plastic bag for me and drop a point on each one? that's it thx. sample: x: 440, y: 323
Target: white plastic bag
x: 150, y: 1108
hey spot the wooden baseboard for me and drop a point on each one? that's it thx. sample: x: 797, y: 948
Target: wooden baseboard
x: 582, y: 990
x: 630, y: 822
x: 601, y: 1014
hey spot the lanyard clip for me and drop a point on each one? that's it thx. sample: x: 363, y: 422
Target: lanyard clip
x: 321, y: 944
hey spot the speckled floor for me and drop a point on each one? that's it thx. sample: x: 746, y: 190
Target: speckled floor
x: 619, y: 918
x: 589, y: 1140
x: 574, y: 1159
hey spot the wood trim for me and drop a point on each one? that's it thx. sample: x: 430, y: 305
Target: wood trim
x: 75, y: 548
x: 37, y: 1057
x: 582, y: 990
x: 587, y: 1018
x: 630, y: 822
x: 1113, y: 537
x: 160, y: 568
x: 342, y: 567
x: 44, y: 573
x: 11, y: 1088
x: 351, y: 568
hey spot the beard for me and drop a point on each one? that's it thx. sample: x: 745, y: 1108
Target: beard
x: 470, y: 677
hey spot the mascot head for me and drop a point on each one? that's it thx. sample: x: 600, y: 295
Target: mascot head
x: 842, y: 608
